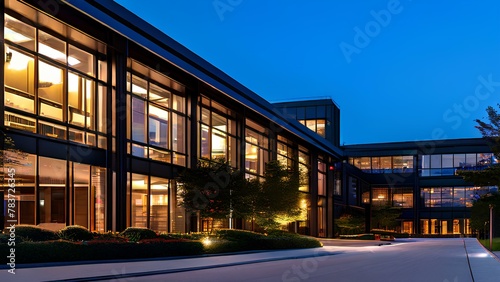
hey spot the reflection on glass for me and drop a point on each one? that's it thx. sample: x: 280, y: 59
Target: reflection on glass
x: 139, y: 200
x: 53, y: 48
x: 51, y: 193
x: 159, y: 204
x: 19, y: 76
x: 18, y: 32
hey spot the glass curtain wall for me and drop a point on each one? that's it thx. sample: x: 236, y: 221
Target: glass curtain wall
x: 149, y: 202
x: 52, y: 86
x: 256, y: 149
x: 386, y: 164
x: 448, y: 164
x: 87, y: 191
x: 322, y: 198
x: 218, y: 132
x: 23, y: 171
x: 156, y: 115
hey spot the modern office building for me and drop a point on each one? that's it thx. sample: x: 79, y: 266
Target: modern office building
x: 109, y: 110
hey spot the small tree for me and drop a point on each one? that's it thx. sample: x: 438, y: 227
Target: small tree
x: 216, y: 190
x: 489, y: 176
x: 491, y: 133
x: 385, y: 217
x: 480, y: 213
x: 349, y: 224
x: 278, y: 199
x: 10, y: 157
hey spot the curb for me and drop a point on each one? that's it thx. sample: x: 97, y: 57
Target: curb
x: 178, y: 270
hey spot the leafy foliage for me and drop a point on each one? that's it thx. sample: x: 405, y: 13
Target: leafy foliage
x: 480, y: 213
x: 75, y: 233
x: 216, y: 190
x: 487, y: 177
x: 279, y: 197
x: 34, y: 233
x: 350, y: 224
x: 385, y: 217
x: 491, y: 133
x: 135, y: 234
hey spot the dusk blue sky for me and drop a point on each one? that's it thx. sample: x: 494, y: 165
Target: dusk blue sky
x: 424, y: 72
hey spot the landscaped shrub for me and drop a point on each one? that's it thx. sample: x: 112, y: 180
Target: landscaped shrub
x: 288, y: 242
x: 189, y: 236
x: 109, y: 237
x: 75, y: 233
x: 135, y: 234
x: 238, y: 235
x: 34, y: 233
x: 217, y: 246
x: 4, y: 238
x: 61, y: 250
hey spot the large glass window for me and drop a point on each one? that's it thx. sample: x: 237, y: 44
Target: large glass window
x: 60, y: 77
x: 321, y: 178
x: 52, y: 190
x: 387, y: 164
x: 448, y: 164
x: 157, y: 131
x: 256, y: 149
x: 459, y: 196
x: 158, y: 204
x: 24, y: 176
x: 304, y: 164
x: 285, y: 153
x: 139, y: 200
x: 316, y: 125
x: 149, y: 202
x: 218, y: 132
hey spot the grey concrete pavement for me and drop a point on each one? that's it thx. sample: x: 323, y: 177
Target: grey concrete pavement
x: 403, y: 260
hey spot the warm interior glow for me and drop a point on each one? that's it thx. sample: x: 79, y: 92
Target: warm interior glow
x: 55, y: 54
x: 48, y: 73
x: 15, y: 37
x: 138, y: 90
x: 18, y: 61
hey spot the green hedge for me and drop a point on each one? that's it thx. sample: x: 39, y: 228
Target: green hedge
x: 34, y: 233
x: 75, y: 233
x: 61, y: 250
x: 136, y: 234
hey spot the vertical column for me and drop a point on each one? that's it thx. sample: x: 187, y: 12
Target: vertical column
x: 192, y: 96
x: 330, y: 186
x: 2, y: 80
x: 119, y: 68
x: 313, y: 192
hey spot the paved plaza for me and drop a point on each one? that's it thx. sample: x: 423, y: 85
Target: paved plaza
x: 443, y: 260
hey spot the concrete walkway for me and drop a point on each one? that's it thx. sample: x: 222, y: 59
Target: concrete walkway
x: 484, y: 266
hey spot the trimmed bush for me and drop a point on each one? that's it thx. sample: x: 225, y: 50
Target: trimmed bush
x: 109, y: 237
x: 34, y: 233
x: 218, y: 246
x: 75, y: 233
x: 135, y: 234
x: 4, y: 238
x: 238, y: 235
x: 61, y: 250
x: 189, y: 236
x: 299, y: 242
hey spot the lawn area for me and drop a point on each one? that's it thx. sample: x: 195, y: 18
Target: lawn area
x: 496, y: 243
